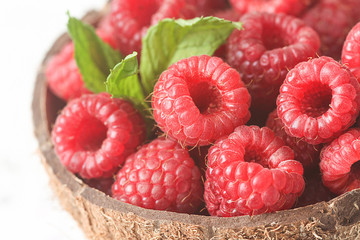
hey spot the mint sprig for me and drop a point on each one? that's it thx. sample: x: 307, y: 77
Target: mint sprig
x: 172, y: 40
x: 123, y: 81
x: 93, y: 56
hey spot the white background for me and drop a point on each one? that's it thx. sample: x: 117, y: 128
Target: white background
x: 28, y: 208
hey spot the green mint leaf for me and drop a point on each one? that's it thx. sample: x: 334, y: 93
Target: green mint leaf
x: 93, y: 56
x: 123, y: 81
x: 172, y: 40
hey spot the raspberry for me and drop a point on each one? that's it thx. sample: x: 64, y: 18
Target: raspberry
x: 314, y: 192
x: 106, y: 32
x: 95, y: 133
x: 351, y: 51
x: 265, y: 50
x: 251, y: 172
x: 307, y: 154
x: 339, y: 163
x: 318, y: 100
x: 131, y: 19
x: 332, y: 13
x: 290, y: 7
x: 162, y: 176
x: 63, y: 76
x: 199, y: 99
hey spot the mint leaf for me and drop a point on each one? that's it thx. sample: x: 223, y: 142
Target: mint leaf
x: 94, y: 57
x: 123, y: 81
x: 172, y: 40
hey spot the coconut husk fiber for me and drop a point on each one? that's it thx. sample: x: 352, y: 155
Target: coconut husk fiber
x: 101, y: 217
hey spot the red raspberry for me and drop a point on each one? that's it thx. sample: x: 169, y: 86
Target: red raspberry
x: 95, y: 133
x: 332, y: 20
x: 162, y: 176
x: 251, y: 172
x: 265, y: 50
x: 307, y: 154
x: 319, y: 100
x: 291, y: 7
x: 339, y: 163
x: 199, y: 99
x: 131, y: 19
x: 63, y: 76
x: 314, y: 192
x: 351, y: 51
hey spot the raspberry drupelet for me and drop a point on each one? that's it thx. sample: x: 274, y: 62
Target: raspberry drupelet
x: 95, y: 133
x: 307, y: 154
x: 250, y: 172
x: 161, y: 176
x: 340, y: 163
x: 199, y: 99
x: 265, y: 50
x: 351, y: 51
x: 319, y: 100
x: 290, y: 7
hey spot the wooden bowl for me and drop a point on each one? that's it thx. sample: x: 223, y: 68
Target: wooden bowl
x: 102, y: 217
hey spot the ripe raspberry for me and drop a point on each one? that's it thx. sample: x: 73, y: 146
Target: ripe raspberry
x: 251, y: 172
x: 63, y: 76
x: 351, y: 51
x: 265, y: 50
x: 95, y: 133
x: 334, y: 13
x: 319, y: 100
x: 162, y: 176
x: 290, y: 7
x: 199, y: 99
x: 314, y: 192
x: 131, y: 19
x: 339, y: 163
x: 106, y: 32
x: 307, y: 154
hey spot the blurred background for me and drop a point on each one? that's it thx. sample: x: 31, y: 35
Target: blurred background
x: 28, y: 208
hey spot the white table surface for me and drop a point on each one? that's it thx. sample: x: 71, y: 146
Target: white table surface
x: 28, y: 208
